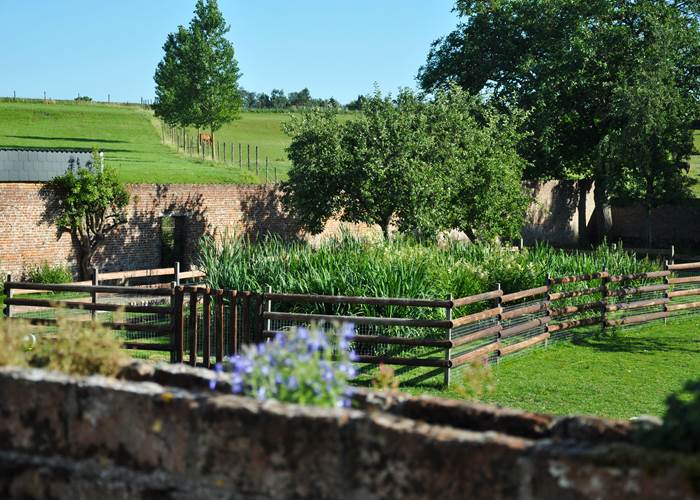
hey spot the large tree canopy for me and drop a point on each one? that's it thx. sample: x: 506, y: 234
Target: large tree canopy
x: 422, y: 165
x: 197, y: 80
x: 597, y: 78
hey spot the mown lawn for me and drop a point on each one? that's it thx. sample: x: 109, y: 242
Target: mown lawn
x: 130, y: 141
x: 619, y: 375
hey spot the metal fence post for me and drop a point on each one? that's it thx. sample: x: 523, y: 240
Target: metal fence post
x: 666, y: 293
x: 95, y: 282
x: 7, y: 292
x: 499, y: 319
x: 268, y: 308
x: 604, y: 301
x: 448, y: 351
x: 548, y: 310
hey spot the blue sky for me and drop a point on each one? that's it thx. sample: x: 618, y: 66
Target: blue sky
x: 100, y: 47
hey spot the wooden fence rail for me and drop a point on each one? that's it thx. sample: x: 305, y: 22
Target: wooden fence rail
x: 204, y: 325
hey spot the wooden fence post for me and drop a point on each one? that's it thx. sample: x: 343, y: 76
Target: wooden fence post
x: 240, y: 156
x: 219, y: 326
x: 7, y: 292
x: 206, y: 329
x: 256, y: 161
x: 248, y: 156
x: 177, y: 273
x: 95, y: 282
x: 448, y: 351
x: 499, y: 319
x: 193, y: 327
x: 177, y: 325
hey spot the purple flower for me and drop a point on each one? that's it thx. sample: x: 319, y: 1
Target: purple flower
x: 292, y: 383
x: 260, y: 394
x: 302, y: 333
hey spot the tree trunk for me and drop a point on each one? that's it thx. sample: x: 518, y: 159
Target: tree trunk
x: 85, y: 254
x: 602, y: 213
x: 470, y: 234
x: 648, y: 226
x: 386, y: 227
x: 212, y: 145
x: 584, y: 187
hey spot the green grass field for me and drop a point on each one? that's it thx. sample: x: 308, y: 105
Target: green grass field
x: 619, y: 375
x: 131, y: 140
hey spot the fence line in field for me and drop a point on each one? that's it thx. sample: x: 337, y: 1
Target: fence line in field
x: 211, y: 149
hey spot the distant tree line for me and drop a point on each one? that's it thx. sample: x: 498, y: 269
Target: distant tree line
x: 277, y: 99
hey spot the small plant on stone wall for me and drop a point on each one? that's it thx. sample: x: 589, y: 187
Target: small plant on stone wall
x: 477, y: 381
x: 385, y: 379
x: 304, y: 365
x: 74, y: 348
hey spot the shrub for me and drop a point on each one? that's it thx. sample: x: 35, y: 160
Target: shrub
x: 305, y: 366
x: 46, y: 273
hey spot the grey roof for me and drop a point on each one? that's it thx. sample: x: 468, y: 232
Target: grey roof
x: 25, y: 165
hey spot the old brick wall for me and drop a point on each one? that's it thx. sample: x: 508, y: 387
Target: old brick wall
x: 28, y: 236
x: 65, y: 437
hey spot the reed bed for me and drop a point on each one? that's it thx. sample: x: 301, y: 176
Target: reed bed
x: 401, y: 267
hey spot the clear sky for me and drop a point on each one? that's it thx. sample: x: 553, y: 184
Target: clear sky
x: 333, y: 47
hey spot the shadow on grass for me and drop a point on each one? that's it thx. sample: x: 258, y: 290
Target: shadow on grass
x: 638, y: 345
x: 74, y: 139
x: 66, y: 149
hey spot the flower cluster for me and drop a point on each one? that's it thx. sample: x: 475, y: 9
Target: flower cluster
x: 302, y: 365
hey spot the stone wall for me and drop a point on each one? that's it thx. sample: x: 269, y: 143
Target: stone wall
x: 64, y: 437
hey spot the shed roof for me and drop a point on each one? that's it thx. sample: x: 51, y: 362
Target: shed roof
x: 33, y: 165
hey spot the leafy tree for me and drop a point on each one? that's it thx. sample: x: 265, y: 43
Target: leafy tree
x: 197, y: 80
x: 300, y: 99
x: 569, y: 63
x: 91, y: 206
x: 357, y: 104
x: 424, y: 166
x: 278, y: 99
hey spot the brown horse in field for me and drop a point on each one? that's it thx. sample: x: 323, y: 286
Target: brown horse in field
x: 205, y: 138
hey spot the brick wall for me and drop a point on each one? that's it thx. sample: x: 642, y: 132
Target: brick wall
x: 28, y: 237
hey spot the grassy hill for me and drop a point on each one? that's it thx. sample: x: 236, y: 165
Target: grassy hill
x: 131, y: 140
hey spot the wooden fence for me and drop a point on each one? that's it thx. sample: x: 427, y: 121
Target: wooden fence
x: 200, y: 325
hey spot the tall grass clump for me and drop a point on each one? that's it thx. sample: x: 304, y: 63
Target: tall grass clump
x: 398, y: 268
